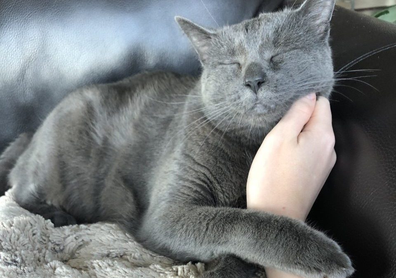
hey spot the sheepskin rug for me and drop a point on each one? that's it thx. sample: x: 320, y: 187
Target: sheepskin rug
x: 31, y: 247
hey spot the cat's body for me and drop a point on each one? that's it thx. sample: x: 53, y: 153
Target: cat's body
x: 167, y: 158
x: 120, y: 135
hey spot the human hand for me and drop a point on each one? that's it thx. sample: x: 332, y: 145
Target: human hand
x: 293, y: 161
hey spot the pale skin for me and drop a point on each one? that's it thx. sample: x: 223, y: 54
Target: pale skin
x: 293, y: 163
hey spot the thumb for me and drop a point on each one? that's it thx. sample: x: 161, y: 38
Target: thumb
x: 298, y: 115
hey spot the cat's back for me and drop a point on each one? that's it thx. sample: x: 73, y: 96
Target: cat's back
x: 145, y: 92
x: 146, y: 89
x: 137, y: 102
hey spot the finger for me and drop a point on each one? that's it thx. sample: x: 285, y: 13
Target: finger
x: 298, y: 115
x: 321, y: 117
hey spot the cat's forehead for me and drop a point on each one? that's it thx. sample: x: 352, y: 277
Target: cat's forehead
x: 267, y: 29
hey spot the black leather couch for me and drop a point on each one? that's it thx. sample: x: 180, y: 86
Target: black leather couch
x: 48, y: 48
x: 358, y: 204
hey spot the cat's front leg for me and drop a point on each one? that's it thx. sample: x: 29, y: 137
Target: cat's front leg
x: 204, y: 233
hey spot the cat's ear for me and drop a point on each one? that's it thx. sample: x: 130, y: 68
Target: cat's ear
x: 318, y: 13
x: 200, y: 37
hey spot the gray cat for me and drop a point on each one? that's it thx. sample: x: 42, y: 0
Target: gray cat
x: 167, y: 156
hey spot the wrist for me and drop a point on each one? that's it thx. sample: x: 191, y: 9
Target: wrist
x: 294, y: 212
x: 274, y: 273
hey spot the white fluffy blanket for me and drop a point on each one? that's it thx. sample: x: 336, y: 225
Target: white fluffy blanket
x: 31, y: 247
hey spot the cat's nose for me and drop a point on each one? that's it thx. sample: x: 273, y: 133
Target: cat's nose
x: 255, y: 83
x: 255, y: 77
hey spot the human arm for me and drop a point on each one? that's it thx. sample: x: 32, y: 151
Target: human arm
x: 293, y: 163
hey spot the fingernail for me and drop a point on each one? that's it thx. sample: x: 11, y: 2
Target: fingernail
x: 311, y: 96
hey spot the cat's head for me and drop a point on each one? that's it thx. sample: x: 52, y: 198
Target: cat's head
x: 256, y: 69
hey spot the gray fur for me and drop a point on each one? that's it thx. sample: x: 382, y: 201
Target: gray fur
x: 9, y: 157
x: 167, y: 156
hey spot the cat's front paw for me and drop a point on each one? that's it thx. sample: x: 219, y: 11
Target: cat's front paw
x: 61, y: 218
x: 323, y: 258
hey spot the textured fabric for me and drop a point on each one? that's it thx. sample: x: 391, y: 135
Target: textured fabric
x: 357, y: 207
x: 31, y: 247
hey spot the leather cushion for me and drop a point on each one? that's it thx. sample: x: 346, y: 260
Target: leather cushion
x: 49, y: 48
x: 358, y: 204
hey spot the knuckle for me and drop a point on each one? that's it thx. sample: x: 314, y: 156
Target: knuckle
x: 322, y: 101
x: 328, y: 139
x: 277, y: 140
x: 274, y: 138
x: 333, y: 158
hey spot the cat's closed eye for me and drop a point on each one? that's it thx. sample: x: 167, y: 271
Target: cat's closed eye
x: 276, y: 59
x: 235, y: 64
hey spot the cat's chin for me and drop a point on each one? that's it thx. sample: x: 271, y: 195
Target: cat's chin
x: 261, y: 109
x: 254, y: 129
x: 262, y: 115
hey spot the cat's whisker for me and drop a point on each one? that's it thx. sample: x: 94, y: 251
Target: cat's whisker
x: 228, y: 126
x: 303, y: 87
x: 186, y: 127
x: 355, y: 70
x: 206, y: 119
x: 240, y: 120
x: 206, y: 8
x: 335, y: 91
x: 196, y: 110
x: 208, y: 115
x: 358, y: 80
x: 347, y: 86
x: 319, y: 81
x: 367, y: 55
x: 214, y: 116
x: 294, y: 4
x: 333, y: 100
x: 204, y: 123
x: 310, y: 81
x: 361, y: 76
x: 250, y: 130
x: 216, y: 126
x: 308, y: 84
